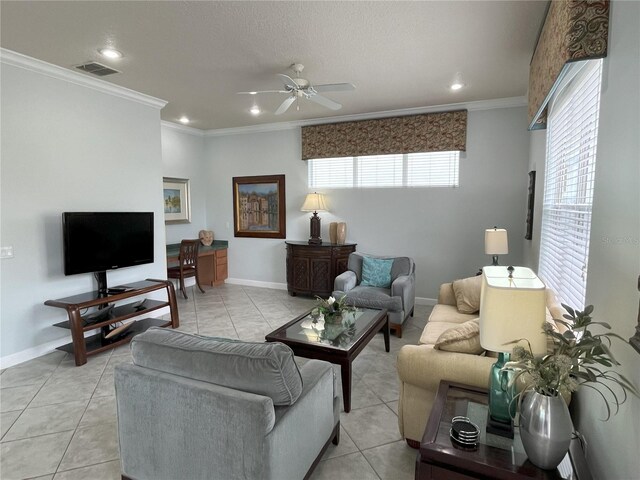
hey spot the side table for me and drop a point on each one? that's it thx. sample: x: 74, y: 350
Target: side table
x: 494, y: 458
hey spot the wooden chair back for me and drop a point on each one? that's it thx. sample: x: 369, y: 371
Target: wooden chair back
x: 188, y: 255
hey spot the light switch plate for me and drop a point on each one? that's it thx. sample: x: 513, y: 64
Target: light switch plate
x: 6, y: 252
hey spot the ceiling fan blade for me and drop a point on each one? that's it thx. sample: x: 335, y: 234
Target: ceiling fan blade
x: 288, y: 81
x: 325, y: 102
x: 262, y: 91
x: 334, y: 87
x: 284, y: 106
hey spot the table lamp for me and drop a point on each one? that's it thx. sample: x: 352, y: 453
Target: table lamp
x: 512, y: 307
x: 496, y: 243
x: 314, y: 202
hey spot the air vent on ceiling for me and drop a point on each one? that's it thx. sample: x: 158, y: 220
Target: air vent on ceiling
x: 96, y: 69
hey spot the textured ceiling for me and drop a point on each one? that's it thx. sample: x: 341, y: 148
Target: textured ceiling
x: 197, y: 55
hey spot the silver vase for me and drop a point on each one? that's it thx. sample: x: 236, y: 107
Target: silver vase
x: 545, y: 429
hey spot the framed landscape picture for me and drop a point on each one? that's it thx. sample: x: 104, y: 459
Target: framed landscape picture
x: 259, y: 207
x: 177, y: 201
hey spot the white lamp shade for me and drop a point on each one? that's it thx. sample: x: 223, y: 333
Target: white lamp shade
x: 511, y: 309
x: 496, y: 241
x: 314, y: 202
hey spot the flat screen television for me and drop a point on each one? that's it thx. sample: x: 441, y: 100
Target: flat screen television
x: 95, y: 242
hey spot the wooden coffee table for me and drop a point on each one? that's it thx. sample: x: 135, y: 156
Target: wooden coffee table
x: 494, y: 458
x: 338, y: 344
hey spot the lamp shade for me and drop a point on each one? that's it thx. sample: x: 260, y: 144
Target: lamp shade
x: 511, y: 308
x: 314, y: 202
x: 496, y: 241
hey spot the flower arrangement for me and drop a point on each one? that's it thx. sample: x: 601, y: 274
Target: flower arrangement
x: 332, y: 307
x: 579, y: 358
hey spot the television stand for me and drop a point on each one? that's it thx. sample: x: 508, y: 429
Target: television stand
x: 82, y: 347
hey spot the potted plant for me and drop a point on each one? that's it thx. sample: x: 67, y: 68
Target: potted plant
x: 578, y: 358
x: 332, y: 309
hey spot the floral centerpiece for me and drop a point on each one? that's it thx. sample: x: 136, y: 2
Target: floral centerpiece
x: 577, y: 358
x: 332, y: 309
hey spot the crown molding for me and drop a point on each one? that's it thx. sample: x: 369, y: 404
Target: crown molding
x: 15, y: 59
x: 509, y: 102
x: 183, y: 128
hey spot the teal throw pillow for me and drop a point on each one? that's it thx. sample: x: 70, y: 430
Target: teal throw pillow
x: 376, y: 272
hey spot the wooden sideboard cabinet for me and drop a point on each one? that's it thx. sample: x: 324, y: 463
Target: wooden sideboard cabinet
x: 311, y: 269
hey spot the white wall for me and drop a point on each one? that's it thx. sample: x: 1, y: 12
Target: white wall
x: 442, y: 229
x: 66, y: 147
x: 182, y: 157
x: 614, y: 250
x: 268, y: 153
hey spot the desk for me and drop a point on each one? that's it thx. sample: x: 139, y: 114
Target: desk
x: 212, y: 261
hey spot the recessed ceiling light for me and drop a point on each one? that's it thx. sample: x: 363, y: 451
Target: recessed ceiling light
x: 110, y: 53
x: 457, y: 83
x: 255, y: 110
x: 184, y: 120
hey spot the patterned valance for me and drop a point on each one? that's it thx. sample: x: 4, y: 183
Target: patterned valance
x: 429, y: 132
x: 573, y: 30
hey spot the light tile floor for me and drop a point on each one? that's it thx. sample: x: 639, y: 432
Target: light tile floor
x: 58, y: 421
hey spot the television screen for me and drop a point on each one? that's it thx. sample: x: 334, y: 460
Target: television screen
x: 101, y: 241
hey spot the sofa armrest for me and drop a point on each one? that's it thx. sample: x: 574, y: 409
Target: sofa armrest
x: 405, y: 286
x: 345, y: 281
x: 446, y: 296
x: 423, y: 366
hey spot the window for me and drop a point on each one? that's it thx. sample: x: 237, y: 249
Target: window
x: 434, y: 169
x: 568, y: 187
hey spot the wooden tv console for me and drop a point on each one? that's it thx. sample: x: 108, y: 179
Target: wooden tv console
x: 81, y: 347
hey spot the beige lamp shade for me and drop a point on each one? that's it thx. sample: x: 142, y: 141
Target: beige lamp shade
x: 511, y: 308
x: 496, y: 241
x: 314, y: 202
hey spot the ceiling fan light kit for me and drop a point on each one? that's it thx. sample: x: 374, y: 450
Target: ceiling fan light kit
x: 300, y: 88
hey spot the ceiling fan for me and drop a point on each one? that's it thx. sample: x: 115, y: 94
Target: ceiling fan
x: 299, y: 87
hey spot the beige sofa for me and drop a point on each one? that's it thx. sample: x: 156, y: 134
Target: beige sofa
x: 421, y: 367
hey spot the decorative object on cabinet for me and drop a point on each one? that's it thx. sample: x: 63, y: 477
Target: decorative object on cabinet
x: 531, y: 198
x: 206, y: 237
x: 512, y: 307
x: 341, y: 234
x: 259, y: 208
x: 81, y: 347
x: 177, y: 200
x: 187, y: 265
x: 333, y: 232
x: 311, y: 269
x: 314, y: 202
x: 496, y: 242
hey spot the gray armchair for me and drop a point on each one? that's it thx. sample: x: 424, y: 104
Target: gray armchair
x: 398, y: 299
x: 194, y: 407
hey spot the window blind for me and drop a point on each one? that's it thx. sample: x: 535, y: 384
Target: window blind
x: 432, y: 169
x: 568, y: 189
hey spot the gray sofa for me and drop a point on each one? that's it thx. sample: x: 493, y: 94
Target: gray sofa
x: 399, y: 299
x: 194, y: 407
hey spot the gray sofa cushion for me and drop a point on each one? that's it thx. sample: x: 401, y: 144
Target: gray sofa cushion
x: 372, y: 297
x: 263, y: 368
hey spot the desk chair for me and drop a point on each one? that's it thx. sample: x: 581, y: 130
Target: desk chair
x: 187, y: 264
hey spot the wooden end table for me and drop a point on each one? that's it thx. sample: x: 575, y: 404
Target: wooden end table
x: 494, y: 458
x: 336, y: 344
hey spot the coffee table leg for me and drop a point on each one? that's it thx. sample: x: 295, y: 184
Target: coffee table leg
x: 345, y: 373
x: 386, y: 334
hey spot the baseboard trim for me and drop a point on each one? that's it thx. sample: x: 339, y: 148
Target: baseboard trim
x: 257, y: 283
x: 45, y: 348
x: 425, y: 301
